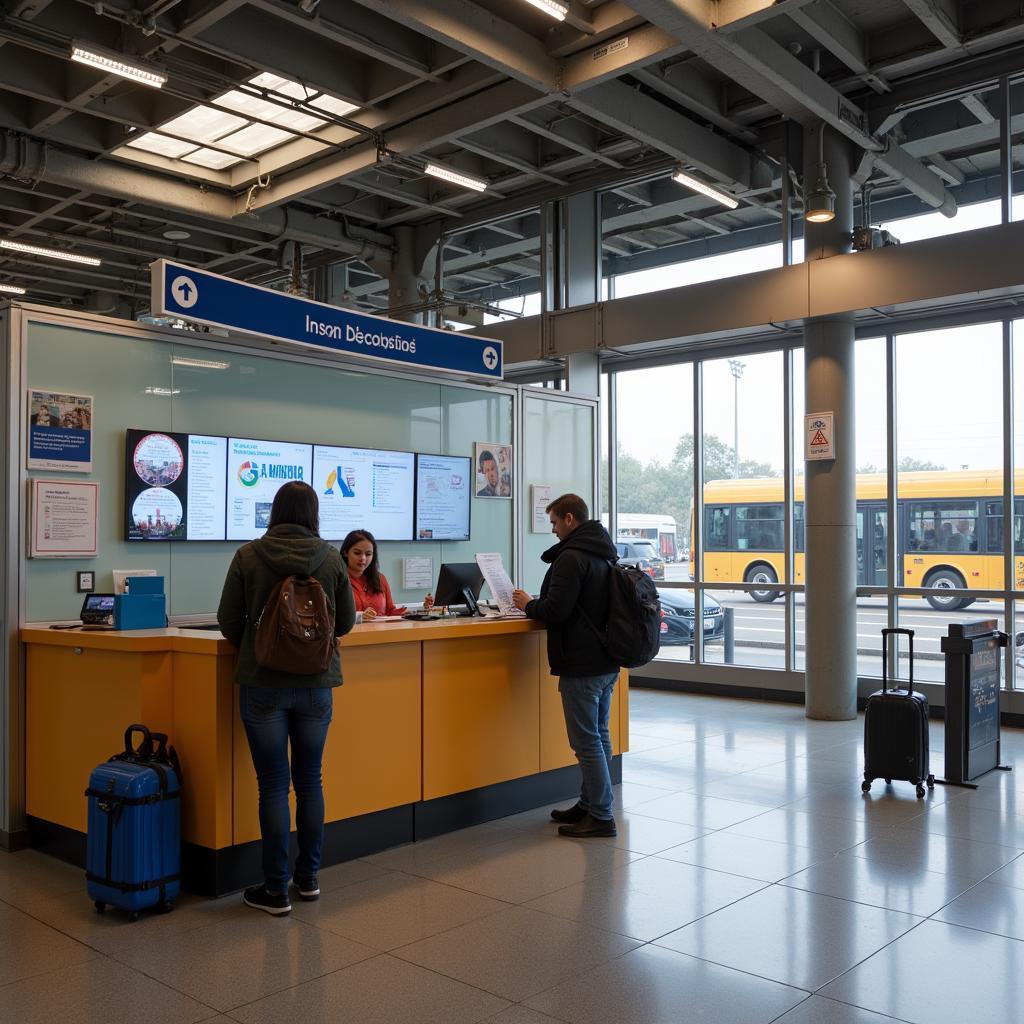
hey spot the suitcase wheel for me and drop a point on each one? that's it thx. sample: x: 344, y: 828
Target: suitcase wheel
x: 920, y: 791
x: 100, y: 906
x: 166, y: 907
x: 865, y: 787
x: 931, y: 781
x: 888, y: 782
x: 133, y: 917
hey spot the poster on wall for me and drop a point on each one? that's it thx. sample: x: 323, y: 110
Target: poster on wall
x: 65, y: 518
x: 59, y: 431
x: 540, y: 498
x: 174, y: 486
x: 256, y: 472
x: 493, y: 463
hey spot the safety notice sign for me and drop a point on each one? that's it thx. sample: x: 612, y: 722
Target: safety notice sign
x: 819, y: 438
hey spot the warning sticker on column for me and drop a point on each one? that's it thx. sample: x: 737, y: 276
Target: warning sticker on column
x: 819, y: 438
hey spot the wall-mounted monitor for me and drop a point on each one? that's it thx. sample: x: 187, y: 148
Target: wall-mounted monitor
x: 174, y: 486
x: 364, y: 489
x: 443, y: 497
x: 256, y: 471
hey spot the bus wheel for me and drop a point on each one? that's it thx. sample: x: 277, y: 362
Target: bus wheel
x: 942, y: 580
x: 762, y: 574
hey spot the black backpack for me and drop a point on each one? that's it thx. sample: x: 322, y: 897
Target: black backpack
x: 632, y: 636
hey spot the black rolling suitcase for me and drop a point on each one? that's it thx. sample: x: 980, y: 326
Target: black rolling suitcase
x: 896, y: 729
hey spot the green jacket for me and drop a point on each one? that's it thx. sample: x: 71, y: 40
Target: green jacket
x: 289, y: 550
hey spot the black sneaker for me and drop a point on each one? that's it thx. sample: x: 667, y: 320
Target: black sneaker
x: 589, y: 827
x: 569, y: 815
x: 309, y: 888
x: 272, y: 902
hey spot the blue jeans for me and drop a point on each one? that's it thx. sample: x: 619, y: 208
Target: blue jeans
x: 587, y: 703
x: 273, y: 716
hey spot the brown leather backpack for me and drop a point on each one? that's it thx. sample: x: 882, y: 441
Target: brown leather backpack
x: 295, y: 630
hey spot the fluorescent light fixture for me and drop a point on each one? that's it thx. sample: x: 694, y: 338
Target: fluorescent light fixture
x: 114, y: 65
x: 705, y: 190
x: 53, y: 254
x: 199, y: 364
x: 456, y: 177
x: 11, y: 289
x: 555, y: 8
x: 163, y: 392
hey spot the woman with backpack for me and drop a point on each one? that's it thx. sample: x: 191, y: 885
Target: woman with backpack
x: 285, y: 600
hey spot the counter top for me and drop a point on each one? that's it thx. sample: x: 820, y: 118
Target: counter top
x: 205, y: 641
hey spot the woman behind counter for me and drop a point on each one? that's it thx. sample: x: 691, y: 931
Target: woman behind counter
x: 370, y: 588
x: 277, y: 706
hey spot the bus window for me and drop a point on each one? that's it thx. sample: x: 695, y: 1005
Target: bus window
x: 716, y: 528
x: 759, y: 527
x: 798, y: 526
x: 994, y: 527
x: 943, y: 525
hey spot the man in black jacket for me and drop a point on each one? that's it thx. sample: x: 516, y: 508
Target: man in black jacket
x: 573, y: 604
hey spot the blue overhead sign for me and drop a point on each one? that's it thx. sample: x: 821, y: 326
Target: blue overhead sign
x: 216, y: 301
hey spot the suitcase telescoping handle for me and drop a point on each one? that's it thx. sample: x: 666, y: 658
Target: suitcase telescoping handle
x: 909, y: 634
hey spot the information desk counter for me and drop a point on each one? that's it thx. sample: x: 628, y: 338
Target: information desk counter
x: 438, y: 725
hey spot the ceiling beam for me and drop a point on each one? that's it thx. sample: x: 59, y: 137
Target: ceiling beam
x: 940, y: 17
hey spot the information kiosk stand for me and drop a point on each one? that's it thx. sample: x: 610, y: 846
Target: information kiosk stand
x: 973, y: 658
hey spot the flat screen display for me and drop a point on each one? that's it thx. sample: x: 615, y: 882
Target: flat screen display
x: 256, y: 471
x: 174, y: 486
x: 443, y: 497
x: 364, y: 489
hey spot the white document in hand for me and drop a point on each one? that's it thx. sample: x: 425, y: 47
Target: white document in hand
x: 498, y: 580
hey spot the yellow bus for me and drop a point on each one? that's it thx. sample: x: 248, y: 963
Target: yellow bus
x: 949, y: 532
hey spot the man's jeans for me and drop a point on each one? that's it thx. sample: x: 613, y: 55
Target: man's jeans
x: 587, y: 702
x: 272, y: 716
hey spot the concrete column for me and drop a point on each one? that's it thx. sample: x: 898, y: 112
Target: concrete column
x: 830, y: 487
x: 582, y: 268
x: 405, y: 277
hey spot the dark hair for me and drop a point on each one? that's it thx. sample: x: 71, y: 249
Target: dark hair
x: 566, y: 503
x: 296, y: 504
x: 372, y: 572
x: 486, y: 456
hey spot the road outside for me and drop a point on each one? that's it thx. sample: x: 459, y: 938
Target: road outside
x: 760, y: 631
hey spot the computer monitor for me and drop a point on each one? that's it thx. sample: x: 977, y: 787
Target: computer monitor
x: 459, y: 583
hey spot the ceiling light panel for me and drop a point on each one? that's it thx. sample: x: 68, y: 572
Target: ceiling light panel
x: 436, y: 170
x: 555, y: 8
x: 11, y: 289
x: 257, y: 138
x: 204, y: 124
x: 705, y: 190
x: 333, y: 105
x: 254, y: 107
x: 113, y: 64
x: 282, y: 85
x: 154, y: 142
x: 212, y: 159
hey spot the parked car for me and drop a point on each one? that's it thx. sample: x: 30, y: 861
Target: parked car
x: 677, y: 617
x: 644, y: 555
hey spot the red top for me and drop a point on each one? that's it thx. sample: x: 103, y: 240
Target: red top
x: 381, y: 603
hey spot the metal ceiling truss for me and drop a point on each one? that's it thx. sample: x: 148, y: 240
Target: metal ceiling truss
x: 610, y: 99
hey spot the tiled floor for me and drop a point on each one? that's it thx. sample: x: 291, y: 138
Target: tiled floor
x: 750, y: 882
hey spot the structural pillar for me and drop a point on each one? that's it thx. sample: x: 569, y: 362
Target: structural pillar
x: 582, y: 269
x: 830, y: 504
x: 406, y: 277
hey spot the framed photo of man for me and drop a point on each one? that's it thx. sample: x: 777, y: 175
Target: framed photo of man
x: 493, y: 464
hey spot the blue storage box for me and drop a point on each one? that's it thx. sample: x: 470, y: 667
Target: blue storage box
x: 144, y: 606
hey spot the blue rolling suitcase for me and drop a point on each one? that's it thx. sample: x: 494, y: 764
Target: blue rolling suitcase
x: 133, y: 857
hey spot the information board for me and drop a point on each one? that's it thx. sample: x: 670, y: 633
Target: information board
x: 256, y: 470
x: 174, y: 486
x: 442, y: 497
x: 364, y: 489
x: 983, y: 698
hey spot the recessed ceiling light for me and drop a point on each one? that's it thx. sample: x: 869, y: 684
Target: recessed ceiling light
x: 211, y: 158
x: 11, y: 289
x: 114, y: 64
x: 256, y: 138
x: 177, y: 235
x: 154, y: 142
x: 53, y: 254
x: 204, y: 124
x: 555, y: 8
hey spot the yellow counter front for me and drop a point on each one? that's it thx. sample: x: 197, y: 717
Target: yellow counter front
x: 439, y: 725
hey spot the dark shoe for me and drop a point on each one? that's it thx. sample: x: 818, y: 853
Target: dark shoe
x: 589, y: 827
x: 309, y: 888
x: 276, y: 903
x: 569, y: 815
